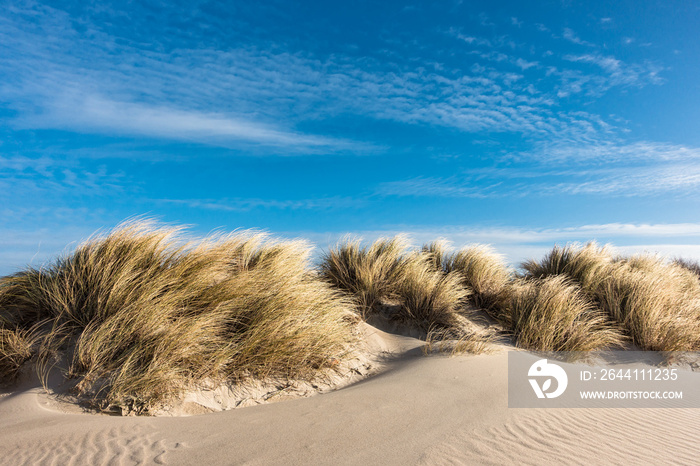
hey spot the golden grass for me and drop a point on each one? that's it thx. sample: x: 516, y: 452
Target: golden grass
x: 483, y: 271
x: 588, y: 265
x: 658, y: 303
x: 691, y: 265
x: 15, y: 350
x: 655, y: 302
x: 146, y: 315
x: 370, y: 275
x: 389, y: 272
x: 553, y: 314
x: 430, y: 298
x: 138, y: 315
x: 453, y: 343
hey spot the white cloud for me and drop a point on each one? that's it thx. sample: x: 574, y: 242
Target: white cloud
x: 518, y: 244
x: 248, y: 204
x: 571, y: 36
x: 620, y: 73
x: 612, y: 152
x: 639, y: 169
x: 260, y: 96
x: 92, y: 113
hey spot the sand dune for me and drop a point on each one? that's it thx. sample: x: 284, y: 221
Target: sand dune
x: 418, y: 410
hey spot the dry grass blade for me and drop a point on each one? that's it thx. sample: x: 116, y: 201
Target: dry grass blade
x: 369, y: 274
x: 429, y: 297
x: 553, y: 314
x: 147, y: 315
x: 453, y: 343
x: 691, y: 265
x: 16, y: 348
x: 657, y: 303
x: 587, y: 265
x: 482, y: 271
x: 387, y: 272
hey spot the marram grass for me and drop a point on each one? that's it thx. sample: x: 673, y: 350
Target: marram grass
x: 553, y: 314
x: 388, y: 274
x: 656, y: 303
x: 144, y: 315
x: 480, y: 269
x: 139, y: 315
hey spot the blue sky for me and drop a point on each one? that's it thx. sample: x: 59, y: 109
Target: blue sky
x: 519, y: 124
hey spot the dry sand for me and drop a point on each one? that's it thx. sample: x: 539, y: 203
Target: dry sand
x: 418, y: 410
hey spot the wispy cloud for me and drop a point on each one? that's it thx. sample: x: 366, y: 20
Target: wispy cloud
x: 248, y: 204
x: 261, y: 96
x: 571, y: 36
x: 92, y: 113
x: 517, y: 244
x: 23, y: 177
x: 619, y: 73
x: 612, y: 152
x: 638, y: 169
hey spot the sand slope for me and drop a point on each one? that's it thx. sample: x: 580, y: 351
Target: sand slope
x: 420, y: 410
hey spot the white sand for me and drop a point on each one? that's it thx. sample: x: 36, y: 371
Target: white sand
x: 419, y: 410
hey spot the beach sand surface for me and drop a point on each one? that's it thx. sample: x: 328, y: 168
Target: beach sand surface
x: 419, y: 409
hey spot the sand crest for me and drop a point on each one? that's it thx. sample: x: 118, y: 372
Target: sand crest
x: 418, y: 410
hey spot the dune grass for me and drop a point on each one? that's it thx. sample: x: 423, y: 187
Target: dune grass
x: 691, y: 265
x: 587, y: 265
x: 15, y: 349
x: 138, y: 315
x: 546, y: 315
x: 371, y: 275
x: 554, y: 314
x: 143, y: 315
x: 480, y: 268
x: 388, y: 273
x: 447, y: 341
x: 658, y: 303
x: 655, y: 302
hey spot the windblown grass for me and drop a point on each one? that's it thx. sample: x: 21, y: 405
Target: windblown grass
x: 15, y: 350
x: 691, y: 265
x: 553, y: 314
x: 139, y: 315
x: 587, y: 265
x: 372, y: 274
x: 430, y: 298
x: 654, y: 301
x: 447, y: 341
x: 483, y: 271
x: 658, y: 303
x: 144, y: 315
x: 388, y: 274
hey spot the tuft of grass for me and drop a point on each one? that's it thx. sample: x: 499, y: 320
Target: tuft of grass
x: 387, y: 272
x: 438, y: 254
x: 553, y: 314
x: 483, y: 271
x: 657, y: 303
x: 430, y: 298
x: 690, y: 265
x: 453, y: 343
x: 369, y: 274
x: 142, y: 315
x: 587, y: 265
x: 15, y: 350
